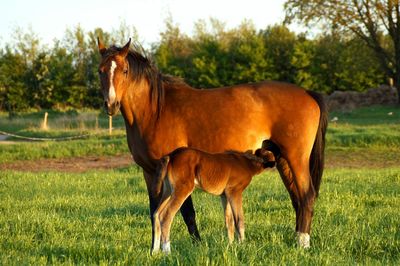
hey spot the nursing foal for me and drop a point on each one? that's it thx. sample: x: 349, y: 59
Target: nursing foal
x: 226, y: 174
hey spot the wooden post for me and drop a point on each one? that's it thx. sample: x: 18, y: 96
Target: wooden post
x: 110, y: 124
x: 44, y: 124
x: 390, y: 82
x: 96, y: 125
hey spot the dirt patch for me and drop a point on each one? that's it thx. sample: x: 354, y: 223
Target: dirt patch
x: 334, y: 159
x: 76, y: 164
x: 362, y: 158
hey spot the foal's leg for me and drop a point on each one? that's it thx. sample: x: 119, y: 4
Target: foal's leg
x: 229, y: 220
x: 187, y: 209
x: 167, y: 214
x: 154, y: 200
x: 157, y: 225
x: 235, y: 200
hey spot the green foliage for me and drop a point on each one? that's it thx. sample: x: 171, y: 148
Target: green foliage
x: 215, y: 56
x: 65, y: 75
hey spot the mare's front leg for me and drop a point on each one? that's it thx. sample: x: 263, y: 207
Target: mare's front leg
x: 229, y: 220
x: 189, y: 216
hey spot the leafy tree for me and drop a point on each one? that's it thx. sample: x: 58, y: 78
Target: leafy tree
x: 279, y: 46
x: 375, y: 22
x: 12, y: 72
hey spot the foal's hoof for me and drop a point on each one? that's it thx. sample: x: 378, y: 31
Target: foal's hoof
x: 304, y: 240
x: 155, y: 252
x: 166, y: 248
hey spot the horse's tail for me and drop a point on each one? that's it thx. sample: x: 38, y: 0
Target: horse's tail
x: 162, y: 171
x: 317, y: 153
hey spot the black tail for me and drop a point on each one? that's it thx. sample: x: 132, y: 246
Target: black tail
x: 318, y: 150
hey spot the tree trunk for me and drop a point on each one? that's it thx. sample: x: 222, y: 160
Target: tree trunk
x: 396, y: 83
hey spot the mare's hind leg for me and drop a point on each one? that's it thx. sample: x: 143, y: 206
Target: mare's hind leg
x: 299, y: 164
x: 229, y: 220
x: 288, y: 179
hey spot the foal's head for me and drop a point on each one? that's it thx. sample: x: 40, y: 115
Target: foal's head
x: 269, y: 153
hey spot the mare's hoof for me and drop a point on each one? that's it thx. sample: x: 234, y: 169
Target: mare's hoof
x: 304, y: 240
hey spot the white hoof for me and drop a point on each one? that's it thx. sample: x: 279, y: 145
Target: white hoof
x: 304, y: 240
x: 166, y: 247
x: 155, y: 251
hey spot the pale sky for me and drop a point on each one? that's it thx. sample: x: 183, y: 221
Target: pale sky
x: 50, y: 19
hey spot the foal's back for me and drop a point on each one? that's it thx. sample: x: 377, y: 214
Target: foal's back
x: 211, y: 172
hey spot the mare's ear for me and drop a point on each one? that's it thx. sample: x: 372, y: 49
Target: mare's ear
x: 125, y: 50
x: 102, y: 48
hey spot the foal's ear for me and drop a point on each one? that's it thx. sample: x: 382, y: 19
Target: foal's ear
x: 102, y: 48
x: 249, y: 152
x: 258, y: 153
x: 125, y: 50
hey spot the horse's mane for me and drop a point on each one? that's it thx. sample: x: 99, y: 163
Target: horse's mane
x: 248, y: 154
x: 141, y: 65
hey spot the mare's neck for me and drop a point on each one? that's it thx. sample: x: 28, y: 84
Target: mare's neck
x: 136, y: 105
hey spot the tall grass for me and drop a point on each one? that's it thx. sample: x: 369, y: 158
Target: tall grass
x: 101, y: 217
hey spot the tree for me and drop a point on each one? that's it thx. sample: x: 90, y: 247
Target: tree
x: 370, y: 20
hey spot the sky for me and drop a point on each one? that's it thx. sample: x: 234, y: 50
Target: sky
x: 50, y: 19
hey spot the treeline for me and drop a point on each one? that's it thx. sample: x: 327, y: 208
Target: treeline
x: 65, y: 74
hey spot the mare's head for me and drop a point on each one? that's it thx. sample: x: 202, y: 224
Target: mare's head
x: 113, y: 72
x: 121, y: 68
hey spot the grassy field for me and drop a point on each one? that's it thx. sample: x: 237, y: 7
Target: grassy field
x: 101, y: 216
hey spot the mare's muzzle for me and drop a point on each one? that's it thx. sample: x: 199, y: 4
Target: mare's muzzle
x: 112, y: 108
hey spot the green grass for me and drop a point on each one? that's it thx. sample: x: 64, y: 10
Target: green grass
x: 101, y: 217
x: 95, y: 145
x: 372, y: 115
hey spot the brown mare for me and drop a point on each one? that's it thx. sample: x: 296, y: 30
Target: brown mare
x: 163, y: 113
x: 225, y: 174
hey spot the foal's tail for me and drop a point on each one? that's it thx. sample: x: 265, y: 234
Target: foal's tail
x: 317, y: 153
x: 161, y: 174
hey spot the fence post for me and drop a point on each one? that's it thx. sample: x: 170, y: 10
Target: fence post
x: 390, y: 82
x: 44, y: 124
x: 110, y: 124
x: 96, y: 125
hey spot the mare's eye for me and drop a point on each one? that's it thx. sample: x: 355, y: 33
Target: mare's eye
x: 125, y: 71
